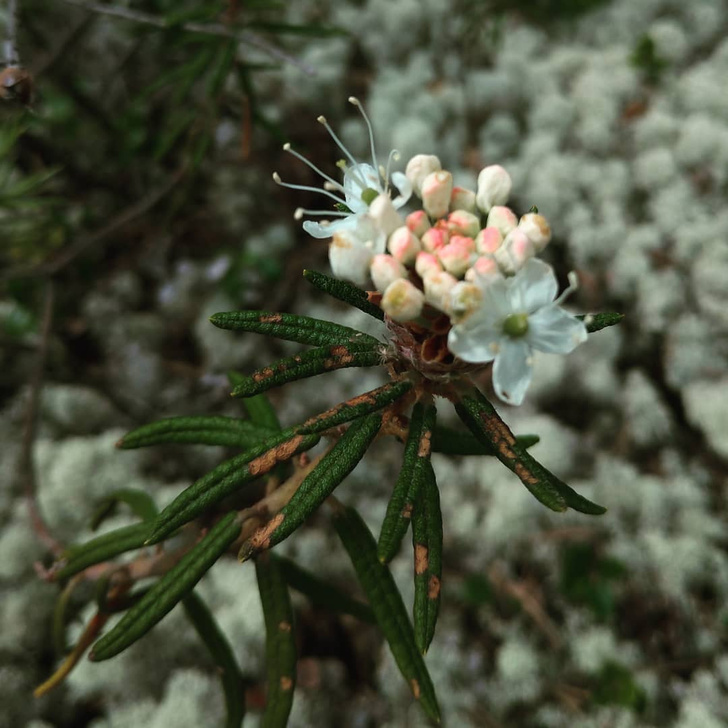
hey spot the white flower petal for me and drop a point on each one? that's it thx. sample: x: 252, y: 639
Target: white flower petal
x: 357, y: 179
x: 512, y: 370
x: 533, y: 287
x: 555, y: 331
x: 326, y: 230
x: 474, y: 344
x: 404, y: 186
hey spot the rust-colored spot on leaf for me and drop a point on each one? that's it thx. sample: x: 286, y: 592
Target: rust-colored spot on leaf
x: 284, y: 626
x: 286, y: 683
x: 339, y: 350
x: 433, y: 587
x: 415, y: 688
x: 525, y: 474
x: 422, y: 558
x: 267, y: 460
x: 407, y: 510
x: 425, y: 444
x: 263, y: 374
x: 271, y: 318
x: 260, y: 540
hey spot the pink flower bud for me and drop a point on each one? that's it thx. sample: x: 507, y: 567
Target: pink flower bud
x: 385, y: 270
x: 437, y: 289
x: 403, y: 245
x: 483, y: 267
x: 494, y: 186
x: 462, y: 199
x: 537, y: 229
x: 418, y: 168
x: 503, y: 218
x: 385, y: 216
x: 426, y: 264
x: 462, y: 222
x: 349, y: 259
x: 418, y: 222
x: 514, y: 252
x: 488, y: 240
x: 434, y: 239
x: 464, y: 299
x: 436, y: 189
x: 457, y: 255
x: 402, y: 301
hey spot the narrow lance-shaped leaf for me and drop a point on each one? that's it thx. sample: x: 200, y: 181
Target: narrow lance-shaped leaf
x: 409, y: 482
x: 102, y: 548
x: 222, y: 654
x: 214, y: 430
x: 259, y: 408
x: 291, y: 327
x: 485, y: 423
x: 323, y: 594
x: 453, y: 442
x: 316, y: 486
x: 387, y: 605
x: 226, y: 478
x: 309, y: 364
x: 427, y: 544
x: 169, y: 590
x: 598, y: 321
x: 140, y: 502
x: 343, y: 291
x: 280, y: 643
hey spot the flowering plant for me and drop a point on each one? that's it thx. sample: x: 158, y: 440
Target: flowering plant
x: 457, y: 287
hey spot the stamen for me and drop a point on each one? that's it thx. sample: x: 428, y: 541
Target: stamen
x: 317, y: 213
x: 311, y: 165
x: 332, y: 134
x: 355, y: 101
x: 394, y: 155
x: 571, y: 288
x: 306, y: 188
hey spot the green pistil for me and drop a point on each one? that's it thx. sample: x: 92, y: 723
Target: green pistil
x: 516, y: 325
x: 369, y: 195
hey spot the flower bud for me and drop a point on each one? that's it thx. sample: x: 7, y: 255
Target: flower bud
x: 514, y: 252
x: 462, y: 199
x: 404, y: 245
x: 462, y: 222
x: 436, y: 189
x: 488, y: 240
x: 537, y: 229
x: 427, y: 263
x: 494, y: 186
x: 457, y: 255
x: 437, y: 289
x: 349, y: 259
x: 434, y: 239
x: 385, y: 217
x: 483, y: 267
x: 418, y: 168
x: 418, y: 222
x: 385, y: 270
x: 402, y: 301
x: 464, y: 299
x: 503, y: 218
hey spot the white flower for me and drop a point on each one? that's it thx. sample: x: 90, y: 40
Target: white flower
x: 516, y: 316
x: 362, y: 184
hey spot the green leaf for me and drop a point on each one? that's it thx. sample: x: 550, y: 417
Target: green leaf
x: 259, y: 409
x: 363, y: 404
x: 141, y: 504
x: 309, y: 364
x: 387, y: 605
x: 102, y: 548
x: 287, y: 326
x: 454, y: 442
x: 222, y: 654
x: 214, y: 430
x: 226, y: 478
x: 318, y: 485
x: 280, y: 643
x: 344, y: 291
x: 176, y: 584
x: 323, y: 594
x: 314, y: 30
x: 598, y: 321
x: 485, y: 423
x: 427, y: 544
x: 221, y: 67
x: 409, y: 482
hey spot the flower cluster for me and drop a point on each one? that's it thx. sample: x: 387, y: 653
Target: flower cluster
x: 459, y: 270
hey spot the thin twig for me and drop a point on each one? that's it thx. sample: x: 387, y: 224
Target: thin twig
x: 10, y: 46
x: 54, y: 264
x: 26, y: 467
x: 218, y: 29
